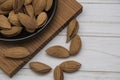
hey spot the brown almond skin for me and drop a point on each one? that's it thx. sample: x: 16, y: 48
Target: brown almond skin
x: 7, y: 5
x: 27, y: 21
x: 49, y: 5
x: 58, y: 52
x: 4, y: 12
x: 75, y: 45
x: 72, y: 29
x: 70, y: 66
x: 30, y: 11
x: 16, y: 53
x: 39, y: 67
x: 2, y: 1
x: 14, y: 31
x: 13, y: 19
x: 58, y: 74
x: 27, y: 2
x: 4, y: 23
x: 39, y: 6
x: 41, y: 19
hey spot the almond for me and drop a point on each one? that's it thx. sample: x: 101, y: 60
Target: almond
x: 49, y: 5
x: 30, y: 11
x: 13, y: 18
x: 17, y: 5
x: 39, y: 6
x: 72, y: 29
x: 7, y: 5
x: 58, y: 51
x: 75, y: 45
x: 70, y: 66
x: 4, y: 23
x: 14, y: 31
x: 16, y: 52
x: 4, y: 12
x: 27, y: 2
x: 2, y: 1
x: 40, y: 67
x: 41, y: 19
x: 58, y: 74
x: 30, y: 30
x: 27, y: 21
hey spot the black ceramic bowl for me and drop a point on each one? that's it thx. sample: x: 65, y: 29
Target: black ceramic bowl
x: 25, y: 35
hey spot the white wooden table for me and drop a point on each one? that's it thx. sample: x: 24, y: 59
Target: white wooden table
x: 100, y: 54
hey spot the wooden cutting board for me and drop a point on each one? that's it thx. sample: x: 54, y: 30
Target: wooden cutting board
x: 67, y: 10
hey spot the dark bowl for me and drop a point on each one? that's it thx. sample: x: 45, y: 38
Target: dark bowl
x: 25, y: 35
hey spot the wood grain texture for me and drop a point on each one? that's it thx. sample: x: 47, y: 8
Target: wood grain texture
x: 67, y: 9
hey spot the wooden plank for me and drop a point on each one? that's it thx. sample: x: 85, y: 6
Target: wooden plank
x: 81, y: 75
x: 67, y: 9
x: 97, y: 54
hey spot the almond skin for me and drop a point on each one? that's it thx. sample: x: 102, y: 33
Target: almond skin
x: 13, y: 18
x: 70, y: 66
x: 58, y: 74
x: 72, y: 29
x: 39, y: 6
x: 30, y: 11
x: 2, y: 1
x: 27, y: 21
x: 58, y: 51
x: 4, y: 12
x: 40, y: 67
x: 14, y: 31
x: 7, y: 5
x: 75, y: 45
x: 27, y: 2
x: 49, y: 5
x: 4, y: 23
x: 17, y: 53
x: 41, y: 19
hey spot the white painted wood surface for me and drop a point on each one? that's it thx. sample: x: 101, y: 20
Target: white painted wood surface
x: 100, y: 54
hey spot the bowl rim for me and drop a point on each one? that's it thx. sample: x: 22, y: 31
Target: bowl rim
x: 34, y: 34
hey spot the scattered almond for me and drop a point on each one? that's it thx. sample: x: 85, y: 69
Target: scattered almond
x: 14, y: 31
x: 39, y: 6
x: 41, y: 19
x: 4, y: 23
x: 17, y: 52
x: 75, y: 45
x: 49, y: 5
x: 58, y: 51
x: 40, y: 67
x: 72, y: 29
x: 58, y: 74
x: 70, y: 66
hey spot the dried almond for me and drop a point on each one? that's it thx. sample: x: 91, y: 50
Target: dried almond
x: 49, y: 5
x: 13, y: 18
x: 30, y: 30
x: 27, y: 2
x: 41, y: 19
x: 58, y: 51
x: 40, y: 67
x: 14, y: 31
x: 72, y: 29
x: 4, y: 23
x: 4, y: 12
x: 75, y: 45
x: 39, y: 6
x: 30, y: 11
x: 27, y: 21
x: 58, y: 74
x: 70, y: 66
x: 2, y: 1
x: 17, y: 5
x: 17, y: 52
x: 7, y: 5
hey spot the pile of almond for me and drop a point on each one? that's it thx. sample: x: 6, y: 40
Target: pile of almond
x: 16, y: 15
